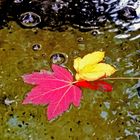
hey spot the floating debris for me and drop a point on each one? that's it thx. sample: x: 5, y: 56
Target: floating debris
x: 8, y: 101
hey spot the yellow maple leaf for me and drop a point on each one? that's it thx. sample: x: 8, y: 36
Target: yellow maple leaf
x: 90, y: 68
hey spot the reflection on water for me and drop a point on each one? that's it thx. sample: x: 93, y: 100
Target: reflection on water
x: 128, y: 18
x: 84, y: 14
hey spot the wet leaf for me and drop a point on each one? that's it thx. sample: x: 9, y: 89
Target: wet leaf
x: 53, y: 88
x: 96, y: 85
x: 90, y: 68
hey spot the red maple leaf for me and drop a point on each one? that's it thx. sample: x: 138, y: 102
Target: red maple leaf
x: 55, y: 88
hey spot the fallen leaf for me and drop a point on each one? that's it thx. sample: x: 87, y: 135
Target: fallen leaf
x: 90, y: 67
x: 95, y: 85
x: 55, y: 88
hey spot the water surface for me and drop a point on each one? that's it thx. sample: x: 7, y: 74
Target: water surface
x: 101, y: 116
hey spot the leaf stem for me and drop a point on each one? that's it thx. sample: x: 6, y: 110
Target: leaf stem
x: 122, y: 78
x: 114, y: 78
x: 74, y: 82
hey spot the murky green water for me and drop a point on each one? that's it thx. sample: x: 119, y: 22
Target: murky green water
x: 101, y: 116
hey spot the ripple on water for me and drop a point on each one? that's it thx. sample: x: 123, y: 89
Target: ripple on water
x: 59, y: 58
x: 29, y: 19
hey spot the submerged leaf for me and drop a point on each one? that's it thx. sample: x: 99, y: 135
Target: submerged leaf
x: 55, y: 89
